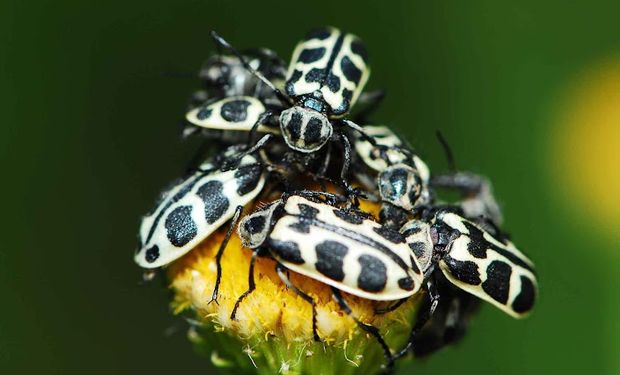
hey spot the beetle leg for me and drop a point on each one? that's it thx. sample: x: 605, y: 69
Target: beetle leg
x: 221, y: 42
x: 370, y: 329
x: 262, y: 119
x: 251, y: 283
x: 421, y: 320
x: 234, y: 161
x: 282, y: 273
x: 220, y: 253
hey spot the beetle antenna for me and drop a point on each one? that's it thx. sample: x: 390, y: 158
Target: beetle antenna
x: 221, y: 42
x: 447, y: 150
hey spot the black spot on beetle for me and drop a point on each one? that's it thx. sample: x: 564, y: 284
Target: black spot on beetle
x: 406, y: 283
x: 465, y: 271
x: 247, y: 178
x: 478, y: 247
x: 300, y: 226
x: 255, y: 224
x: 350, y: 71
x: 389, y: 234
x: 358, y: 48
x: 497, y: 284
x: 313, y: 133
x: 287, y: 251
x: 235, y: 110
x: 418, y: 247
x: 414, y: 266
x: 329, y: 259
x: 320, y: 34
x: 180, y: 227
x: 187, y: 187
x: 204, y: 113
x: 373, y: 274
x: 349, y: 216
x: 216, y: 203
x: 525, y: 299
x: 412, y: 230
x: 347, y: 95
x: 316, y: 75
x: 307, y: 215
x: 333, y: 82
x: 416, y: 190
x: 311, y: 55
x: 307, y: 211
x: 293, y: 127
x: 151, y: 254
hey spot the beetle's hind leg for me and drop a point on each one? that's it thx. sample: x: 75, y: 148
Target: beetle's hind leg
x: 425, y: 315
x: 251, y: 284
x: 283, y: 276
x: 220, y: 252
x: 372, y: 330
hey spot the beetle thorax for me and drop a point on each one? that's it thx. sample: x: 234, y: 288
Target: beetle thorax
x: 304, y: 129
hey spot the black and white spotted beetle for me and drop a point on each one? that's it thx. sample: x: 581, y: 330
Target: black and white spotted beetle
x: 325, y: 78
x: 341, y: 247
x: 474, y: 261
x: 197, y: 206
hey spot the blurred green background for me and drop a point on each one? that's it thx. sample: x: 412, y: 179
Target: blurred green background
x: 527, y: 92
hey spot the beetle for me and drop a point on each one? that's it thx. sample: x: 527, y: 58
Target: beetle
x: 327, y: 73
x: 477, y: 262
x: 195, y: 207
x: 341, y: 247
x: 473, y: 260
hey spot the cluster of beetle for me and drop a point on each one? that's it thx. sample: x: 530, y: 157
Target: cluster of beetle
x: 283, y: 137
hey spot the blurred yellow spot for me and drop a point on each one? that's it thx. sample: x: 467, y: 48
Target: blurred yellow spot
x: 586, y: 146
